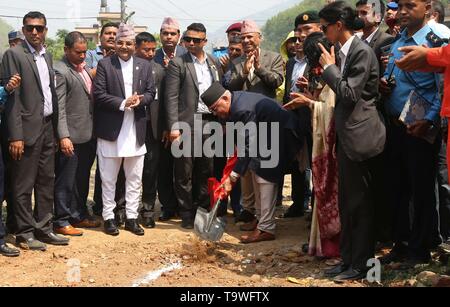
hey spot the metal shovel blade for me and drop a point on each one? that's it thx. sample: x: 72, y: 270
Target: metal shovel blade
x: 207, y: 226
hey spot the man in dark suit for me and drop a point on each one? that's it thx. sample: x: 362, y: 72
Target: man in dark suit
x: 377, y: 40
x: 187, y: 78
x: 145, y: 49
x: 170, y: 38
x: 296, y: 74
x: 371, y: 33
x: 251, y: 108
x: 123, y: 89
x: 32, y: 117
x: 75, y: 132
x: 257, y: 71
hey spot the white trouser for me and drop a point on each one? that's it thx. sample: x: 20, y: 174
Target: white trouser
x: 109, y: 169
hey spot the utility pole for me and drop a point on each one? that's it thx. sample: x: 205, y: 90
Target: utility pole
x: 123, y: 8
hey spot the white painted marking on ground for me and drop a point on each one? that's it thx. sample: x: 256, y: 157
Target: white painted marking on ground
x: 154, y: 275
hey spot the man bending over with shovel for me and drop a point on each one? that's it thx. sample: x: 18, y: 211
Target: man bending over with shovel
x: 276, y: 131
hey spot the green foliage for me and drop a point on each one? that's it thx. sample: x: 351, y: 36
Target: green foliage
x: 278, y: 27
x: 56, y: 45
x: 4, y: 29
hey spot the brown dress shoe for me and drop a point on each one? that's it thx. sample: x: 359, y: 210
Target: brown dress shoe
x: 257, y: 236
x: 88, y: 224
x: 250, y: 226
x: 68, y: 231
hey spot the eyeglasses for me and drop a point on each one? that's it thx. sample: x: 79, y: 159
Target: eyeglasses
x: 194, y: 39
x: 30, y: 28
x: 324, y: 28
x: 295, y: 40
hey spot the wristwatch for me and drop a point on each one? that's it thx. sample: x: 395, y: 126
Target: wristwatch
x: 234, y: 177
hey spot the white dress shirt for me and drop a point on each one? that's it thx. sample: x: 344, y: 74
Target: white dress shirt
x: 369, y: 38
x: 126, y: 144
x: 298, y: 72
x: 344, y: 52
x: 44, y: 76
x: 205, y: 80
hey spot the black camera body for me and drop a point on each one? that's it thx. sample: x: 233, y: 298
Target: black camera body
x: 391, y: 82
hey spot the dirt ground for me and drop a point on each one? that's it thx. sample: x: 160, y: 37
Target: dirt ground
x: 171, y: 256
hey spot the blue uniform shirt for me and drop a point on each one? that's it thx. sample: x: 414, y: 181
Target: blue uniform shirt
x: 425, y: 84
x: 93, y: 57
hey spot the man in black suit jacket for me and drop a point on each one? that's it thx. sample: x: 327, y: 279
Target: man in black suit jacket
x: 252, y: 108
x: 145, y: 49
x: 187, y: 78
x: 32, y: 117
x: 123, y: 89
x: 170, y: 38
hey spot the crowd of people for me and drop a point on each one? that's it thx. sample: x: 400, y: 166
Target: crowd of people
x: 356, y: 94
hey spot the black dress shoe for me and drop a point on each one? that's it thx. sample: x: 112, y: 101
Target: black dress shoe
x: 31, y: 244
x: 293, y: 212
x: 187, y: 224
x: 336, y: 270
x: 148, y: 222
x: 166, y: 216
x: 133, y: 226
x: 351, y: 274
x: 111, y: 228
x: 8, y: 252
x: 54, y: 239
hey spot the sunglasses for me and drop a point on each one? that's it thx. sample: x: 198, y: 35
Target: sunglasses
x: 195, y: 40
x: 295, y: 40
x: 325, y: 27
x: 30, y: 28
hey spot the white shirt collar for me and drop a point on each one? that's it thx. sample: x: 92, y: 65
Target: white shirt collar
x: 33, y: 51
x: 370, y: 37
x: 196, y: 60
x: 346, y: 48
x: 129, y: 62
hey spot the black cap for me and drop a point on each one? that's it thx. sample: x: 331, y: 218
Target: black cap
x: 307, y: 17
x: 213, y: 93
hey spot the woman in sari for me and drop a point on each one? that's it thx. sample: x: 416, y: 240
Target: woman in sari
x: 325, y: 227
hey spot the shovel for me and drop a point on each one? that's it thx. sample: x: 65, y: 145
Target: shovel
x: 207, y: 225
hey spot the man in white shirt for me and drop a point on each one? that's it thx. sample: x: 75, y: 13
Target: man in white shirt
x: 123, y: 89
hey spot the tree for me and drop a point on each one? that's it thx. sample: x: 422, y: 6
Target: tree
x: 56, y: 45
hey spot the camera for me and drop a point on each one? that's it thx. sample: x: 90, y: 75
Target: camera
x: 391, y: 82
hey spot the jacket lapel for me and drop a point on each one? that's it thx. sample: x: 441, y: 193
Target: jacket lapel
x: 375, y: 38
x: 30, y: 58
x: 136, y: 81
x: 213, y: 68
x: 191, y: 68
x: 353, y: 46
x: 118, y: 70
x: 76, y: 75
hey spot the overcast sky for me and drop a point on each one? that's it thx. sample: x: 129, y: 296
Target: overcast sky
x: 213, y: 13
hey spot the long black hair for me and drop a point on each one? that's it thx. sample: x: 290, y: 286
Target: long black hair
x: 312, y: 50
x: 341, y: 11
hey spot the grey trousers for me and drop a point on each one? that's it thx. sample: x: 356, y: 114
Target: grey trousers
x: 265, y: 201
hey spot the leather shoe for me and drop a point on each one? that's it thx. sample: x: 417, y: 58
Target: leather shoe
x: 293, y: 212
x: 8, y: 252
x: 336, y: 270
x: 111, y: 228
x: 166, y: 216
x: 148, y: 222
x: 87, y: 223
x: 187, y: 224
x: 250, y: 226
x: 31, y: 244
x: 257, y: 236
x: 68, y: 231
x: 54, y: 239
x: 351, y: 274
x: 133, y: 226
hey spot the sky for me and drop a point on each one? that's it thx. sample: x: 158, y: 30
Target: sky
x: 215, y: 14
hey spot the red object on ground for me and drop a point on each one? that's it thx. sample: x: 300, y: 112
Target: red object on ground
x: 215, y: 189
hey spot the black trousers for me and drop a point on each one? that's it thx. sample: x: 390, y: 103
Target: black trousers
x: 412, y: 165
x: 35, y: 171
x: 444, y: 193
x: 166, y: 190
x: 356, y: 194
x: 10, y: 220
x: 2, y: 182
x: 72, y: 184
x: 191, y: 182
x: 150, y: 176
